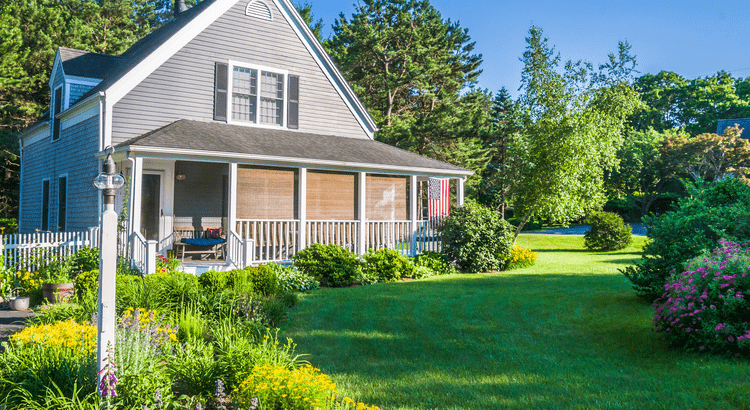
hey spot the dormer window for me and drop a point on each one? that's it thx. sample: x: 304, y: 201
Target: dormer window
x: 261, y: 96
x: 57, y: 105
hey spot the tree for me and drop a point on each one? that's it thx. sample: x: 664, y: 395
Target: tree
x: 645, y: 167
x: 710, y: 157
x: 504, y: 123
x: 305, y: 11
x: 414, y: 72
x: 573, y: 124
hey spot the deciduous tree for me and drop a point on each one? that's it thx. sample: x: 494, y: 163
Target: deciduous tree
x: 574, y: 118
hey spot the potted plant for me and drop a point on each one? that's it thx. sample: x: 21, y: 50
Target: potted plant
x: 57, y: 285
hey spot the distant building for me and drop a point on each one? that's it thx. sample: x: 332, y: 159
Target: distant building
x: 744, y: 123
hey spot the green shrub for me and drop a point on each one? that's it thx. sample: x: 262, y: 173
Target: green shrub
x: 167, y: 292
x: 698, y: 221
x: 608, y: 232
x: 214, y: 281
x: 130, y: 293
x: 330, y: 264
x: 430, y: 263
x: 704, y: 308
x: 477, y: 238
x: 264, y: 280
x: 292, y: 279
x: 239, y: 282
x: 85, y: 260
x: 192, y: 367
x: 387, y: 265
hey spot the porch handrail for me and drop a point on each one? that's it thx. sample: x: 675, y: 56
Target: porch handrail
x: 272, y: 239
x: 240, y: 252
x: 342, y: 232
x: 144, y: 254
x: 392, y: 234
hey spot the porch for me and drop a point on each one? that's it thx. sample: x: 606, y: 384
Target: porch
x: 267, y: 213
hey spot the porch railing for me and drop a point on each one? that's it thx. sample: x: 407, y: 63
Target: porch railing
x: 389, y: 234
x: 240, y: 252
x: 342, y: 233
x: 278, y: 240
x: 273, y: 240
x: 144, y: 253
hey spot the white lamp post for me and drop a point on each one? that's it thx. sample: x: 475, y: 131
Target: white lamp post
x: 107, y: 181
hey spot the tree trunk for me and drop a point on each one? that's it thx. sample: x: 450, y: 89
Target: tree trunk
x: 520, y: 226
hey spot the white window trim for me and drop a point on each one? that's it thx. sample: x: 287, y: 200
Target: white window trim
x: 230, y: 69
x: 49, y: 202
x: 67, y: 196
x: 52, y: 115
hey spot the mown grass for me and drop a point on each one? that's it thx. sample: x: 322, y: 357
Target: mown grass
x: 566, y: 333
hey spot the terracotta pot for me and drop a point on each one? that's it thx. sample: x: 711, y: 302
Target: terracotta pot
x: 19, y: 303
x: 57, y: 292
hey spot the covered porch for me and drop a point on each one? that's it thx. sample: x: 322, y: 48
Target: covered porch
x: 270, y: 208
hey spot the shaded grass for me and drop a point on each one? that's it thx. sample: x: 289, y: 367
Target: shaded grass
x: 566, y: 333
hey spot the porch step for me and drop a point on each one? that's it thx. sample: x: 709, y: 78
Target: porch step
x: 198, y: 267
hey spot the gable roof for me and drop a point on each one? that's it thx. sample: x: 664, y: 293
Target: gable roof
x: 194, y: 137
x: 81, y: 63
x: 180, y: 30
x: 744, y: 123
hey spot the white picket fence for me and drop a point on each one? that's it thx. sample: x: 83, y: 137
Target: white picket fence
x: 32, y: 250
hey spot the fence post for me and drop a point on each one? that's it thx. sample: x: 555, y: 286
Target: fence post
x: 151, y: 257
x: 248, y: 250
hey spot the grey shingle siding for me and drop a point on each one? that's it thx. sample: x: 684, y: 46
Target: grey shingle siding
x: 72, y: 154
x: 77, y: 91
x: 182, y: 88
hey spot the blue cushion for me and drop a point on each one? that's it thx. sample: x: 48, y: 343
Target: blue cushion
x: 203, y: 242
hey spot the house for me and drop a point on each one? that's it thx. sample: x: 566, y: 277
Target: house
x: 231, y: 115
x: 744, y: 123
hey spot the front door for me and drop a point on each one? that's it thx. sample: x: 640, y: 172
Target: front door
x: 152, y: 208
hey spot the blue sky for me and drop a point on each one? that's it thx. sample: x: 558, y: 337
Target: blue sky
x: 691, y: 38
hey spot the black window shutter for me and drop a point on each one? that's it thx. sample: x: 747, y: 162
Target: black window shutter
x: 62, y: 206
x: 57, y: 109
x: 45, y: 205
x: 292, y: 120
x: 220, y: 91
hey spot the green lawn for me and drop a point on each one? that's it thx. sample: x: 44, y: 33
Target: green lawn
x: 566, y: 333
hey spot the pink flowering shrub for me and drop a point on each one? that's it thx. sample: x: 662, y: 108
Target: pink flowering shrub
x: 705, y: 308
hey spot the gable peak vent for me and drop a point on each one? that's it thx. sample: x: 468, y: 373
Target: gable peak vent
x: 258, y: 9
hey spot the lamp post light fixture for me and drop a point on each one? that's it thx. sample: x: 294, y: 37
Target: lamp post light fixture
x: 107, y: 181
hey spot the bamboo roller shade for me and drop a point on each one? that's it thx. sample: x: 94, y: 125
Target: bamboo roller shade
x: 331, y: 195
x: 387, y: 198
x: 266, y: 193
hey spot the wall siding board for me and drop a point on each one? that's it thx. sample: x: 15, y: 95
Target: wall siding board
x: 182, y: 88
x: 77, y: 91
x: 72, y: 154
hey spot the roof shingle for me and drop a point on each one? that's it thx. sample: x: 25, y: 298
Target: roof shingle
x: 237, y: 139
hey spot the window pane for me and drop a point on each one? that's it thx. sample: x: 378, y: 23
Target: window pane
x: 243, y: 107
x: 271, y: 85
x: 244, y: 81
x: 271, y: 111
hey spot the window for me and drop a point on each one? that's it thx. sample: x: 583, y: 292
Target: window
x: 62, y: 203
x: 45, y: 205
x: 57, y: 109
x: 258, y: 95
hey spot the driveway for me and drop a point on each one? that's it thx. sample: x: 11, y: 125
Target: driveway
x: 11, y: 321
x: 638, y: 230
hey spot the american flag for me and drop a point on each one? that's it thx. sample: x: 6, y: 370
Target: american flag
x: 439, y: 197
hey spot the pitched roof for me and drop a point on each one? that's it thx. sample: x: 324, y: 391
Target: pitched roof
x: 86, y: 64
x: 283, y: 144
x: 744, y: 123
x: 145, y: 46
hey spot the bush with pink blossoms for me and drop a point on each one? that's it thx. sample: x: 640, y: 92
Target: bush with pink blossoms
x: 706, y: 307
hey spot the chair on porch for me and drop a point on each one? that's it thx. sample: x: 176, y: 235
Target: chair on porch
x: 201, y: 240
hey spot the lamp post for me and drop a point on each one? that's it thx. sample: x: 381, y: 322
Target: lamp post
x: 107, y: 181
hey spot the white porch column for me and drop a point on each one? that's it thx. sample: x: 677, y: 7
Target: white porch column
x: 232, y: 211
x: 136, y: 183
x: 460, y: 191
x: 302, y: 209
x: 362, y: 213
x: 413, y: 195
